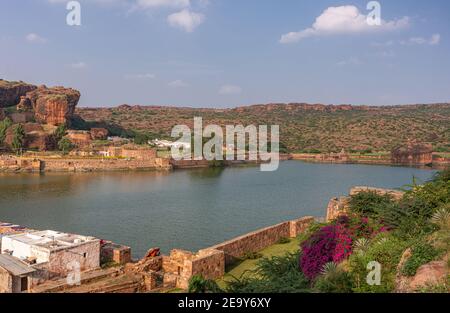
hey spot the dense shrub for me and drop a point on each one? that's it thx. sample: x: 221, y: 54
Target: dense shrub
x: 368, y: 202
x: 385, y: 249
x: 333, y: 280
x: 272, y: 275
x: 331, y: 243
x: 197, y: 284
x: 422, y: 253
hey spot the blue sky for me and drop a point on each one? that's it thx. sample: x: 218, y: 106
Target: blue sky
x: 226, y: 53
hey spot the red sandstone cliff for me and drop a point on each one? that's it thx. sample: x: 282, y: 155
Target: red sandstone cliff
x: 55, y: 105
x: 10, y: 92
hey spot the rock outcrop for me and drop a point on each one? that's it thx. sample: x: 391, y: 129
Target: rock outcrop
x: 24, y: 104
x: 11, y: 92
x: 35, y: 137
x: 428, y: 275
x: 79, y: 138
x: 99, y: 133
x: 54, y: 105
x: 413, y: 154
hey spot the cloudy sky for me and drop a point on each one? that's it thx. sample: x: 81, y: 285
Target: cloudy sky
x: 225, y: 53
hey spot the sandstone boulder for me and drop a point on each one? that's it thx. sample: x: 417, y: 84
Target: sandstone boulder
x: 99, y: 133
x: 433, y: 273
x: 54, y: 105
x: 24, y: 105
x: 10, y: 92
x: 79, y: 138
x: 413, y: 154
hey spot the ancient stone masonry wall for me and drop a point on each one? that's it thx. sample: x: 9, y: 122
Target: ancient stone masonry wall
x: 14, y: 164
x: 339, y: 206
x: 260, y: 239
x: 102, y: 164
x: 5, y: 281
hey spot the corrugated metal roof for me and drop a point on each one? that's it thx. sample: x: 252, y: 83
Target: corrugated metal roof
x: 14, y: 266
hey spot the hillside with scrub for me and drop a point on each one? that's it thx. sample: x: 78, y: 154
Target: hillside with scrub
x: 303, y: 127
x: 406, y: 240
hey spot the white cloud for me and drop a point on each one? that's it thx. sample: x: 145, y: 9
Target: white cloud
x: 230, y: 90
x: 342, y: 20
x: 185, y: 20
x: 178, y: 4
x: 178, y: 84
x: 78, y: 65
x: 352, y: 61
x: 432, y: 41
x: 435, y: 39
x: 140, y: 76
x: 35, y: 38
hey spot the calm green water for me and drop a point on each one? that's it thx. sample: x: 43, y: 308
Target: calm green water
x: 189, y: 209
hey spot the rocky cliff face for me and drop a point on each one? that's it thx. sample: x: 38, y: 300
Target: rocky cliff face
x: 10, y: 92
x: 55, y: 105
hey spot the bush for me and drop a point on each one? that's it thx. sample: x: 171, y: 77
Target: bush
x: 384, y: 249
x: 369, y: 202
x: 252, y: 256
x: 331, y: 243
x: 278, y: 274
x: 422, y: 253
x: 333, y: 280
x: 283, y: 240
x: 197, y: 284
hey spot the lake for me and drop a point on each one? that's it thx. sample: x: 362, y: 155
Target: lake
x: 187, y: 209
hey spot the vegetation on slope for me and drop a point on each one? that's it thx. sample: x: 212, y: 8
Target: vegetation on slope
x: 304, y: 128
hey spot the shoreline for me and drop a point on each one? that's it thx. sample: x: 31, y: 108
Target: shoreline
x: 26, y: 165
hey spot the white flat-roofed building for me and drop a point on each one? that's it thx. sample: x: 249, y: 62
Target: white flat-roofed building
x: 53, y: 254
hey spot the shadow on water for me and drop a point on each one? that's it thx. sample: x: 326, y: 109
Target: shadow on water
x: 211, y: 172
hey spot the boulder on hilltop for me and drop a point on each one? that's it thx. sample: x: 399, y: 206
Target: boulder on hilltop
x: 10, y: 92
x: 54, y: 105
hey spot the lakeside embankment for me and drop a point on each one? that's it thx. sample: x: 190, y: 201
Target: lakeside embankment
x: 16, y: 164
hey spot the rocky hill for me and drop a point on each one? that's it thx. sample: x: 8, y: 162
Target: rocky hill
x: 303, y: 127
x: 54, y: 106
x: 38, y: 109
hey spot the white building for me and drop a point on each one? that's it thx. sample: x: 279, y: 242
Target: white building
x: 49, y: 254
x: 170, y: 144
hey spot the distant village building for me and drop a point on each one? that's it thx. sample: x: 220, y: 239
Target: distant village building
x: 131, y: 152
x: 169, y: 144
x: 413, y: 154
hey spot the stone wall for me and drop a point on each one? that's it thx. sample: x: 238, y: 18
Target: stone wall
x: 260, y: 239
x: 16, y: 164
x: 87, y: 255
x: 339, y: 206
x: 5, y: 281
x: 81, y: 165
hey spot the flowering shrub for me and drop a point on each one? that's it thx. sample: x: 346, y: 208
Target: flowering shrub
x: 332, y: 243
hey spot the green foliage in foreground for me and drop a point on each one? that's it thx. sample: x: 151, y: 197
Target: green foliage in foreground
x: 4, y: 125
x: 422, y: 253
x: 272, y: 275
x: 420, y: 221
x: 197, y: 284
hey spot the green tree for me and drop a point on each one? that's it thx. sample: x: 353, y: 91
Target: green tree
x: 60, y: 132
x: 65, y: 145
x: 18, y: 138
x: 4, y: 125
